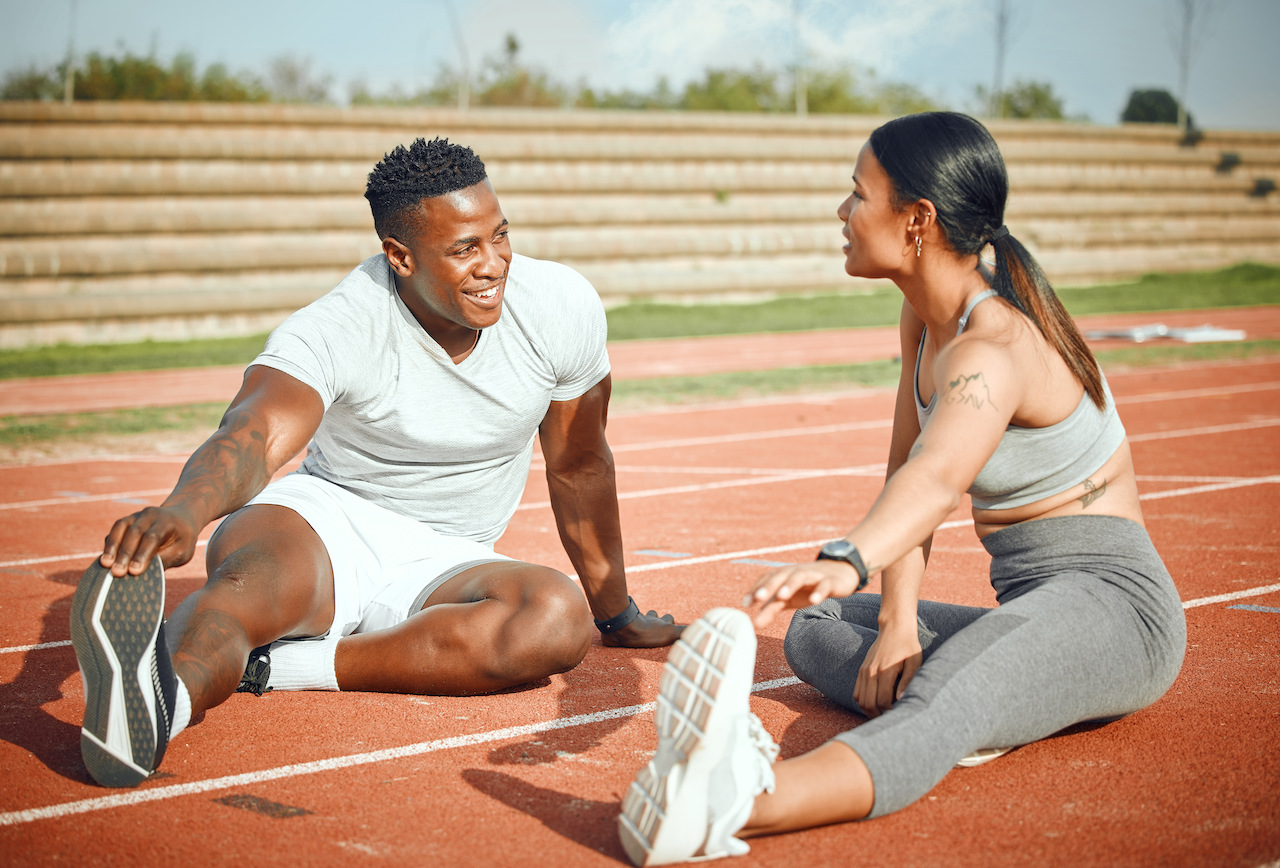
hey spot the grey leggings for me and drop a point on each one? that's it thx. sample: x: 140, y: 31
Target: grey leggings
x: 1089, y: 627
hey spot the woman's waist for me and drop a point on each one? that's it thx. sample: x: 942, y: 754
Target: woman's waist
x: 1111, y: 490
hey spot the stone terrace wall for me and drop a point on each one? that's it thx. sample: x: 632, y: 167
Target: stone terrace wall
x: 127, y: 221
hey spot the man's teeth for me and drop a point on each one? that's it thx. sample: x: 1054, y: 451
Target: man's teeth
x: 487, y: 293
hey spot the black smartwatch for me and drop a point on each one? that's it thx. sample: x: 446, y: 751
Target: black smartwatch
x: 843, y: 550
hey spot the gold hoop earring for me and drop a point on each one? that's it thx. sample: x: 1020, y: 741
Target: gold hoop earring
x: 918, y: 247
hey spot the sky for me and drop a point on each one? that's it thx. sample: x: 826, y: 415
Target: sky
x: 1093, y: 52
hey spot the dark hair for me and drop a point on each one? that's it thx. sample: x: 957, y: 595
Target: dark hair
x: 406, y: 176
x: 952, y: 160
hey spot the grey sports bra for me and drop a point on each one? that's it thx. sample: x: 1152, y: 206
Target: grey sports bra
x: 1030, y: 464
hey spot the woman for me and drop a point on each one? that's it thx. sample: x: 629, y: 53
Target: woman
x: 1004, y: 401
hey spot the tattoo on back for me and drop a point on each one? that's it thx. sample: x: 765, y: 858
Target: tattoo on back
x: 1092, y: 492
x: 969, y: 389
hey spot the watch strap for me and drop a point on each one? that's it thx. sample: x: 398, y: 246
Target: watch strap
x: 853, y: 559
x: 617, y: 622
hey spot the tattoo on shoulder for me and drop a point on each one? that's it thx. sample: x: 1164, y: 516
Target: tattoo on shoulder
x: 1092, y: 492
x: 969, y: 389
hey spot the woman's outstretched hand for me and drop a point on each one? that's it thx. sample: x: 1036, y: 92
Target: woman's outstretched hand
x: 799, y: 585
x: 890, y: 664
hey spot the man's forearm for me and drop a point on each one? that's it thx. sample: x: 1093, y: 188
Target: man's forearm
x: 585, y: 503
x: 225, y: 472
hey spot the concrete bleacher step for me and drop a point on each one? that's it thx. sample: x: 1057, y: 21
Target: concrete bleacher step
x: 141, y: 215
x: 84, y: 141
x: 146, y: 254
x: 125, y: 220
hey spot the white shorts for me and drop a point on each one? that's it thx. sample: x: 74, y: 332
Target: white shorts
x: 385, y: 565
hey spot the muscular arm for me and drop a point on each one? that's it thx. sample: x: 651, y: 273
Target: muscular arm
x: 584, y: 498
x: 268, y: 422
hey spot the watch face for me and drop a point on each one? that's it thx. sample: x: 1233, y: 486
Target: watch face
x: 838, y: 548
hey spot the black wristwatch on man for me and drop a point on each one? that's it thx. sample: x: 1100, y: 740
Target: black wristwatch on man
x: 843, y: 550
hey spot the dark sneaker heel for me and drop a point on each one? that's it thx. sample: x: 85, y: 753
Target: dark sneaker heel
x: 129, y: 685
x: 256, y: 672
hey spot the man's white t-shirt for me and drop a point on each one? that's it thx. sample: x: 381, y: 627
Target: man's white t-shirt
x: 406, y: 428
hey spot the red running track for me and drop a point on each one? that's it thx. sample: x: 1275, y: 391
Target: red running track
x: 535, y: 776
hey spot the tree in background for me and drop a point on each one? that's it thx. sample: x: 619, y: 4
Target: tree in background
x: 33, y: 83
x: 128, y: 76
x: 661, y: 97
x: 842, y: 90
x: 512, y: 83
x: 749, y: 90
x: 507, y: 81
x: 290, y: 79
x: 1155, y: 106
x: 1025, y: 100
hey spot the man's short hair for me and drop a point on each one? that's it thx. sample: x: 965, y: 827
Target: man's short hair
x: 406, y: 176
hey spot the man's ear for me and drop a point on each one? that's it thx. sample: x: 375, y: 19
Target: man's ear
x: 399, y: 256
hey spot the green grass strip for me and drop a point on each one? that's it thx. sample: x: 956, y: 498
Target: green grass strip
x: 145, y: 356
x: 1239, y: 286
x: 27, y: 431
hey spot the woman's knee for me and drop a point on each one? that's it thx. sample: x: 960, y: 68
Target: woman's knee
x: 825, y: 651
x: 806, y: 636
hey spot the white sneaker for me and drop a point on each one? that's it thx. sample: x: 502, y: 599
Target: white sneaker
x: 713, y: 755
x: 982, y: 755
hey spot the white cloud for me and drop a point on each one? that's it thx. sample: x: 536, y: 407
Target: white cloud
x: 678, y: 39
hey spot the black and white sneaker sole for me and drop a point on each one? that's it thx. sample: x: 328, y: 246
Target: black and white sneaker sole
x: 116, y: 626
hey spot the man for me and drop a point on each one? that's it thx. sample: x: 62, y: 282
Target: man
x: 417, y: 386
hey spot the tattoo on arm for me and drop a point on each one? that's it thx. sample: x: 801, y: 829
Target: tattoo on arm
x: 969, y: 389
x: 1092, y: 492
x: 209, y: 658
x: 229, y: 468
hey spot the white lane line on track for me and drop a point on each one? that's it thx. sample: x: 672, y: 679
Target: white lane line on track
x: 88, y: 498
x: 18, y: 649
x: 1239, y: 389
x: 744, y: 553
x: 747, y: 436
x: 874, y: 470
x: 1207, y: 429
x: 159, y: 458
x: 137, y: 797
x: 1234, y: 595
x: 864, y: 470
x: 691, y: 470
x: 1145, y: 477
x: 766, y: 550
x: 708, y: 441
x: 1204, y: 489
x: 53, y: 559
x: 809, y: 399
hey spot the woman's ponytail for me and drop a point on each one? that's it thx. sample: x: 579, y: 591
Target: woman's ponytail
x: 1020, y: 281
